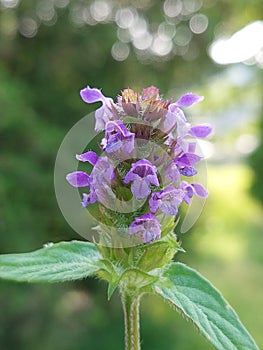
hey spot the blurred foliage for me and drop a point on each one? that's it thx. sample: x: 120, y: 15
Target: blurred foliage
x: 256, y: 161
x: 44, y: 62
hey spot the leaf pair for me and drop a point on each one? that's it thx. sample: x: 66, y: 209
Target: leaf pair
x: 187, y: 290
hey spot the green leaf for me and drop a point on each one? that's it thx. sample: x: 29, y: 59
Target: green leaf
x: 111, y: 288
x: 58, y: 262
x: 201, y: 303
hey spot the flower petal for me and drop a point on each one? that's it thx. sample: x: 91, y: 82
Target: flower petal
x: 188, y: 99
x: 171, y: 173
x: 188, y: 159
x: 169, y: 208
x: 88, y: 199
x: 154, y: 203
x: 90, y: 157
x: 117, y: 137
x: 91, y: 95
x: 146, y: 227
x: 78, y: 179
x: 200, y: 131
x: 102, y: 114
x: 140, y: 189
x: 200, y: 190
x: 188, y: 171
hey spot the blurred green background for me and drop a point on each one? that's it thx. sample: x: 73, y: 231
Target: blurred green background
x: 49, y: 50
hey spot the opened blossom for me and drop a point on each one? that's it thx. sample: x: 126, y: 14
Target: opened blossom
x: 129, y: 169
x: 146, y: 227
x: 99, y: 181
x: 167, y: 201
x: 117, y: 137
x: 142, y: 174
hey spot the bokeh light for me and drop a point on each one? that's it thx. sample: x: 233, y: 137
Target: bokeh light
x: 9, y: 3
x: 198, y: 23
x: 246, y: 44
x: 28, y: 27
x: 120, y: 51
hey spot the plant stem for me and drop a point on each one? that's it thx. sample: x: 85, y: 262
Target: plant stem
x: 131, y: 305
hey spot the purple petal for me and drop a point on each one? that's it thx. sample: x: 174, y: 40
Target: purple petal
x: 188, y: 190
x: 154, y: 203
x: 102, y: 114
x: 113, y: 144
x: 200, y: 190
x: 148, y: 216
x: 168, y: 123
x: 153, y: 179
x: 200, y: 131
x: 171, y: 173
x: 102, y: 172
x: 78, y: 179
x: 191, y: 147
x: 142, y: 169
x: 85, y: 200
x: 117, y: 137
x: 188, y: 171
x: 130, y: 176
x: 88, y: 199
x: 101, y: 118
x: 91, y: 95
x: 90, y: 157
x: 146, y: 227
x: 169, y: 208
x: 188, y: 159
x: 188, y: 99
x: 140, y: 189
x: 167, y: 200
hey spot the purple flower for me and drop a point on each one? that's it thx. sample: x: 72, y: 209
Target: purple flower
x: 80, y: 178
x: 102, y: 114
x: 167, y: 200
x: 171, y: 173
x: 182, y: 165
x: 146, y: 227
x: 175, y: 116
x: 192, y: 189
x: 99, y: 180
x: 117, y: 137
x: 141, y: 174
x: 186, y: 162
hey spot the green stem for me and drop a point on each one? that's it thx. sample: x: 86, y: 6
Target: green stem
x: 131, y: 305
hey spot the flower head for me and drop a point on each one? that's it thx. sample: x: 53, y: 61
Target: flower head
x: 148, y: 151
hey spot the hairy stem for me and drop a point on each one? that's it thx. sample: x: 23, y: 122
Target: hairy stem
x: 131, y: 305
